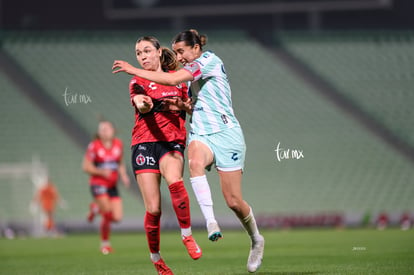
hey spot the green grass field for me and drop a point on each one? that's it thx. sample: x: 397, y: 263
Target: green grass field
x: 362, y: 251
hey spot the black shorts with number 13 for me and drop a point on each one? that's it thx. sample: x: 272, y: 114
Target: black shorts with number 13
x: 147, y: 156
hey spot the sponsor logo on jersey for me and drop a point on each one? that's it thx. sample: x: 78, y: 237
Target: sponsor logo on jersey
x: 169, y: 93
x: 142, y: 147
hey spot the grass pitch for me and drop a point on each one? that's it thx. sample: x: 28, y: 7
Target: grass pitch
x: 287, y: 252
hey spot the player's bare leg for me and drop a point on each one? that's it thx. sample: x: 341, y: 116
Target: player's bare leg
x: 117, y: 210
x: 172, y: 167
x: 232, y: 191
x: 93, y: 211
x: 200, y: 156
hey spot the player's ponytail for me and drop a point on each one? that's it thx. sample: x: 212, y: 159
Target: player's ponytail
x: 191, y: 38
x: 203, y: 38
x: 168, y: 60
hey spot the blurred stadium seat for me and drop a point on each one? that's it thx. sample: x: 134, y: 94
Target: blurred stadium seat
x: 373, y: 69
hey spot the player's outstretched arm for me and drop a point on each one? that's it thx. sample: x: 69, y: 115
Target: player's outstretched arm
x: 170, y: 79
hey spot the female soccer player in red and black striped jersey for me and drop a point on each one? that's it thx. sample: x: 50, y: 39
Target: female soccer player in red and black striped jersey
x: 104, y: 163
x: 158, y: 142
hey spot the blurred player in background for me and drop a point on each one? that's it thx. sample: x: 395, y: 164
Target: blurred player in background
x: 104, y: 163
x: 48, y: 197
x: 158, y: 142
x: 216, y: 136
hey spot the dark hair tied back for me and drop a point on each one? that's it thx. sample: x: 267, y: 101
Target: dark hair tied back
x: 191, y: 38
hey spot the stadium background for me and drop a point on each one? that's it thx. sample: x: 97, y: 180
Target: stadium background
x: 335, y: 83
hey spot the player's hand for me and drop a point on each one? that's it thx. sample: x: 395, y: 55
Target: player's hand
x: 173, y: 104
x: 187, y: 105
x: 125, y: 179
x: 143, y: 103
x: 177, y: 104
x: 123, y: 66
x: 106, y: 173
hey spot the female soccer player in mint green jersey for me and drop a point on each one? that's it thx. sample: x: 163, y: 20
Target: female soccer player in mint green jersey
x: 215, y: 137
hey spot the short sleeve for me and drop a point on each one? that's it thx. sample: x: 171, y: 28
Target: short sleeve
x: 195, y: 70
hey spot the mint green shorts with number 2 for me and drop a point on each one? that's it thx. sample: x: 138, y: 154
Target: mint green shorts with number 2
x: 228, y: 147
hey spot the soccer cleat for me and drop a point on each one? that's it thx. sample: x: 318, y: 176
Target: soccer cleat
x: 106, y: 249
x: 256, y: 254
x: 162, y: 268
x: 192, y: 247
x: 214, y: 233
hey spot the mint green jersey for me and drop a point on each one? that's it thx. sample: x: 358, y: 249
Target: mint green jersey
x: 211, y: 95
